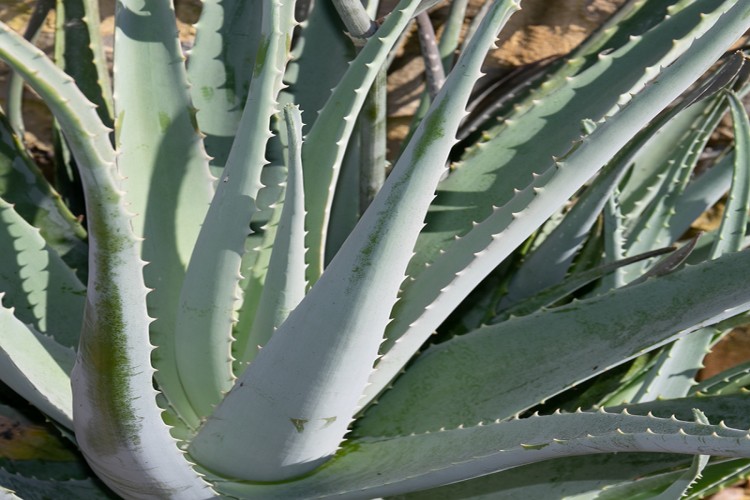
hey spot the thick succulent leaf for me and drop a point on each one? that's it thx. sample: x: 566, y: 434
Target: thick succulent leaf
x: 118, y: 423
x: 299, y: 395
x: 38, y: 336
x: 732, y: 231
x: 379, y: 467
x: 34, y: 484
x: 325, y: 144
x: 356, y: 19
x: 731, y: 381
x: 551, y: 295
x: 441, y: 286
x: 647, y: 172
x: 285, y: 281
x: 258, y: 250
x: 31, y: 487
x: 674, y: 372
x: 718, y: 476
x: 585, y: 87
x: 651, y: 228
x: 614, y: 240
x: 160, y: 153
x: 449, y: 40
x: 14, y: 92
x: 592, y: 477
x: 675, y: 369
x: 676, y: 489
x: 86, y: 135
x: 666, y: 486
x: 549, y: 263
x: 632, y: 19
x: 569, y: 478
x: 44, y: 292
x: 345, y: 208
x: 37, y: 462
x: 209, y: 293
x: 220, y: 67
x: 23, y: 185
x: 114, y: 403
x: 166, y: 179
x: 701, y: 194
x: 313, y: 73
x: 588, y: 477
x: 80, y: 52
x: 449, y: 385
x: 36, y: 367
x: 372, y: 130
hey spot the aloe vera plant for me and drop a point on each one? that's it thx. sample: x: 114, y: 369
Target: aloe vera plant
x: 239, y: 315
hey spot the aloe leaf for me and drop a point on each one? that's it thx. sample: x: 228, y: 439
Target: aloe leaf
x: 571, y: 478
x: 595, y: 476
x: 729, y: 381
x: 44, y: 292
x: 652, y: 227
x: 717, y: 477
x: 355, y: 17
x: 31, y: 487
x: 114, y: 403
x: 36, y: 367
x: 14, y: 91
x: 732, y: 231
x: 87, y: 136
x: 80, y: 52
x: 23, y: 185
x: 449, y: 40
x: 156, y: 135
x: 324, y: 146
x: 643, y: 180
x: 571, y: 92
x: 666, y: 486
x: 675, y: 370
x: 312, y: 74
x: 372, y: 123
x: 614, y: 240
x: 615, y: 327
x: 440, y: 287
x: 209, y: 294
x: 589, y: 477
x: 408, y: 463
x: 285, y: 280
x: 346, y: 206
x: 555, y: 293
x: 548, y: 264
x: 258, y: 250
x: 37, y: 462
x: 678, y: 488
x: 220, y: 68
x: 302, y: 389
x: 118, y: 423
x: 166, y: 179
x: 701, y: 193
x: 550, y: 261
